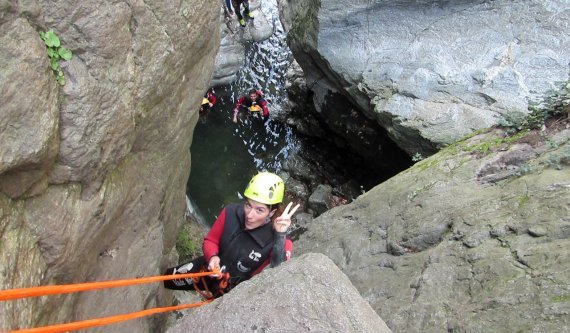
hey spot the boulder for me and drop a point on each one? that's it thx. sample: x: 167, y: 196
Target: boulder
x: 427, y: 72
x: 445, y: 247
x: 93, y: 173
x: 307, y: 294
x: 320, y: 199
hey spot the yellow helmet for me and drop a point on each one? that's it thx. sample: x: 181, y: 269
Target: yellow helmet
x: 265, y: 187
x: 205, y: 101
x: 255, y: 108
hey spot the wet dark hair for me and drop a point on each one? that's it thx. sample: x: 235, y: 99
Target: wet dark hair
x: 279, y: 208
x: 252, y: 91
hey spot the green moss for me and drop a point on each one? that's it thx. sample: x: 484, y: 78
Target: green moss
x: 486, y: 146
x: 523, y: 200
x: 426, y: 164
x: 188, y: 244
x: 472, y: 134
x: 463, y: 144
x: 453, y: 149
x: 494, y: 142
x: 435, y: 161
x: 516, y: 137
x: 561, y: 298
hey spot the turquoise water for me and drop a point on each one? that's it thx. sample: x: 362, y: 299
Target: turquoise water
x: 226, y: 155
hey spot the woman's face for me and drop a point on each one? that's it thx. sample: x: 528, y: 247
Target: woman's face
x: 256, y: 213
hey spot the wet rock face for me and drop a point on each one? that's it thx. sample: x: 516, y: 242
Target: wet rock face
x: 429, y: 72
x: 92, y: 173
x: 463, y: 241
x: 29, y: 113
x: 231, y: 55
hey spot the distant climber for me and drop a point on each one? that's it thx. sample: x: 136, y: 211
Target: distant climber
x: 236, y: 4
x: 252, y: 104
x: 207, y: 105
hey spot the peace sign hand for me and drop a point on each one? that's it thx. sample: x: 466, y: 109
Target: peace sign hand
x: 283, y: 222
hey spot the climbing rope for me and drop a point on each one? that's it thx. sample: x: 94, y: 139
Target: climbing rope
x: 106, y: 320
x: 223, y: 278
x: 72, y: 288
x: 12, y: 294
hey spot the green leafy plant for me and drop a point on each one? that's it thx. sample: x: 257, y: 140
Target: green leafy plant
x: 555, y: 104
x: 524, y: 170
x: 417, y: 157
x: 560, y: 160
x: 55, y: 53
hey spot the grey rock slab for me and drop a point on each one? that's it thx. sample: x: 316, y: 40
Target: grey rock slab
x: 430, y: 72
x: 433, y: 249
x: 307, y: 294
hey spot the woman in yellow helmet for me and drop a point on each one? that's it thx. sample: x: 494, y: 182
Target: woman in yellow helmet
x: 245, y: 238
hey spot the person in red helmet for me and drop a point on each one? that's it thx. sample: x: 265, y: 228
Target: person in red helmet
x: 252, y: 104
x: 245, y: 238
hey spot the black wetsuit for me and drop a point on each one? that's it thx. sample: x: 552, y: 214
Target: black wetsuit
x: 243, y: 252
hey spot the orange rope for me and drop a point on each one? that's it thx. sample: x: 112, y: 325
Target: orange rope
x: 71, y: 288
x: 206, y: 294
x: 107, y: 320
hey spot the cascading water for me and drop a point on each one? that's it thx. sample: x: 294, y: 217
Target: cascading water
x: 224, y: 154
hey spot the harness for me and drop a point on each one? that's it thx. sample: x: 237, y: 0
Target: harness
x: 223, y: 283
